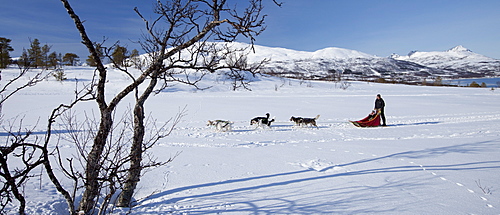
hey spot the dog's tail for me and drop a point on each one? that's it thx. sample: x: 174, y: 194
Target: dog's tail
x: 317, y: 117
x: 270, y: 121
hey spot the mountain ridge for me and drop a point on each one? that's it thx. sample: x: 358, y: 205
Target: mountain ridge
x: 332, y: 62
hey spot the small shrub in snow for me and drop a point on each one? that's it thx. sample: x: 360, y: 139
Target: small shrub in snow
x: 486, y: 190
x: 59, y: 74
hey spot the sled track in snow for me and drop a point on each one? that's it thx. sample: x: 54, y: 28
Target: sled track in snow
x: 400, y: 128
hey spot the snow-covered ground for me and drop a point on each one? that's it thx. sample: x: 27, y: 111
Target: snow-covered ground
x: 439, y: 152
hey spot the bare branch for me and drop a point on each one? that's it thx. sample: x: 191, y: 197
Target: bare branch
x: 40, y: 76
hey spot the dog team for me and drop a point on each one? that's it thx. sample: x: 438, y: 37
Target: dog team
x: 260, y: 121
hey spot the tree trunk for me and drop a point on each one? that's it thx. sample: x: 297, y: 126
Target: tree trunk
x: 11, y: 182
x: 94, y: 163
x: 134, y: 172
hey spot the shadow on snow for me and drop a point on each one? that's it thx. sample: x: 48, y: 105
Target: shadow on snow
x: 6, y: 134
x: 282, y: 205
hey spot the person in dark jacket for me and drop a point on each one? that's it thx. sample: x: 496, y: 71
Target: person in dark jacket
x: 379, y: 105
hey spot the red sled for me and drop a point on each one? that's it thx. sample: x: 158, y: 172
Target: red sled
x: 372, y: 120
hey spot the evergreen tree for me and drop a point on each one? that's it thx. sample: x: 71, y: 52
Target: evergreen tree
x: 45, y: 56
x: 483, y: 85
x: 134, y: 53
x: 119, y: 55
x: 59, y: 74
x: 70, y: 59
x: 90, y: 61
x: 52, y: 60
x: 135, y: 59
x: 5, y: 48
x: 35, y: 54
x: 24, y: 60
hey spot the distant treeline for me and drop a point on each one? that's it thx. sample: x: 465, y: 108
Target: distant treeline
x: 38, y: 56
x: 438, y: 81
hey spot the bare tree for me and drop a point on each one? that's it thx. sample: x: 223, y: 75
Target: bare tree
x: 19, y: 146
x: 113, y: 170
x: 22, y: 148
x: 84, y: 93
x: 184, y: 52
x: 6, y: 93
x: 23, y: 152
x: 177, y: 45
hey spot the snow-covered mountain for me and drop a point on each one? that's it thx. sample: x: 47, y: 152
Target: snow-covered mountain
x: 330, y: 62
x: 458, y: 61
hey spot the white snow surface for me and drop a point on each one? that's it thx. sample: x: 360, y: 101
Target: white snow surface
x: 455, y: 55
x: 284, y: 54
x: 439, y: 144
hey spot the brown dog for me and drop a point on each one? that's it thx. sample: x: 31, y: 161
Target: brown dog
x: 304, y: 121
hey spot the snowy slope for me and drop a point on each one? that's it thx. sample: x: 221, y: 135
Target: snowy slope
x: 326, y: 62
x: 457, y: 61
x: 439, y: 144
x: 435, y: 57
x: 284, y: 54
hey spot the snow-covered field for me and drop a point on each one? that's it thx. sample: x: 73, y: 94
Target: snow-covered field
x: 439, y: 152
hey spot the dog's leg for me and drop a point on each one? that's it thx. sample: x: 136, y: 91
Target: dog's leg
x: 227, y: 126
x: 258, y: 123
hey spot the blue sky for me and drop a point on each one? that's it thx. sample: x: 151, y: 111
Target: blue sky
x: 378, y: 27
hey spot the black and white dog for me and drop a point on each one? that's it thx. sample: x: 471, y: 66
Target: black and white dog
x: 221, y: 125
x: 300, y: 121
x: 259, y: 121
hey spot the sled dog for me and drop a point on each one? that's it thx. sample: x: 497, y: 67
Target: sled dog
x: 297, y: 120
x: 221, y: 125
x: 259, y: 121
x: 300, y: 121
